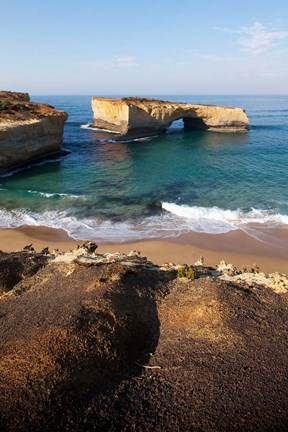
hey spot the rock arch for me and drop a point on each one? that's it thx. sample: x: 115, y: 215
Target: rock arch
x: 143, y: 116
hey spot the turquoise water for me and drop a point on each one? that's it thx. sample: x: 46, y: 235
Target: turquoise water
x: 160, y: 186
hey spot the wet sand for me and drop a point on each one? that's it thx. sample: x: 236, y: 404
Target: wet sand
x: 236, y: 247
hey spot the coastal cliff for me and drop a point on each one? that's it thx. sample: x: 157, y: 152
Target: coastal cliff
x: 151, y: 116
x: 114, y: 342
x: 28, y: 131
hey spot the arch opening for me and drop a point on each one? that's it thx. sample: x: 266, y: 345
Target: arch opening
x: 194, y: 123
x: 188, y: 124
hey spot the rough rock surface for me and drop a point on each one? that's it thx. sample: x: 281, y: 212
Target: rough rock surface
x: 16, y: 266
x: 115, y: 343
x: 149, y: 116
x: 28, y: 131
x: 14, y: 96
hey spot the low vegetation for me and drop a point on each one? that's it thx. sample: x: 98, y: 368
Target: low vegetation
x: 250, y: 269
x: 187, y: 272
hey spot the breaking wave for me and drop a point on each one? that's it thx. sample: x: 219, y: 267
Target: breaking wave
x: 216, y: 220
x: 174, y: 220
x: 84, y: 229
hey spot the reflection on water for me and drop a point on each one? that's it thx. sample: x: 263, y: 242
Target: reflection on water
x: 225, y: 141
x: 113, y: 152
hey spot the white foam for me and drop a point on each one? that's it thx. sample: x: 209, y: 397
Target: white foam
x: 148, y: 138
x: 55, y: 195
x: 84, y: 229
x: 88, y: 126
x: 92, y: 229
x: 176, y: 220
x: 217, y: 220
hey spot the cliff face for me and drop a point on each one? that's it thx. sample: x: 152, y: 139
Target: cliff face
x: 28, y: 130
x: 148, y: 116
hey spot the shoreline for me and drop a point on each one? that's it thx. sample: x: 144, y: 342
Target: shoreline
x: 235, y: 247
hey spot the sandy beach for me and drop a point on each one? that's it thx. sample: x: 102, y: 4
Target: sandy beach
x: 234, y: 247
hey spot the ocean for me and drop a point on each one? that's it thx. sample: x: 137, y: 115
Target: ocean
x: 159, y: 186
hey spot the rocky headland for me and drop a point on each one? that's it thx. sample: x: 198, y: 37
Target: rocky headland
x: 114, y: 342
x: 139, y: 117
x: 29, y: 131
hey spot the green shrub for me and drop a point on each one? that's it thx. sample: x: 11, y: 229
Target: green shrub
x: 250, y: 269
x: 187, y: 272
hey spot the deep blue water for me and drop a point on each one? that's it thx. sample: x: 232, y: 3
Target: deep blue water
x: 201, y: 181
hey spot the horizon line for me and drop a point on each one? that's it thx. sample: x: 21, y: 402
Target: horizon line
x: 158, y: 94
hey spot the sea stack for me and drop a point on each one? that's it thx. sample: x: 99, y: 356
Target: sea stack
x: 29, y: 131
x: 144, y: 117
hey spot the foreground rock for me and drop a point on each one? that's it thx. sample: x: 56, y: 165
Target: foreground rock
x: 28, y: 131
x: 142, y: 117
x: 113, y: 342
x: 19, y: 265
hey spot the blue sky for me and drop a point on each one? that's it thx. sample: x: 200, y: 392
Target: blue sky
x: 143, y: 47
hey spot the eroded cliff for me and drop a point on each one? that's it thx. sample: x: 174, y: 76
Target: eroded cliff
x: 113, y: 342
x: 28, y: 131
x: 150, y: 116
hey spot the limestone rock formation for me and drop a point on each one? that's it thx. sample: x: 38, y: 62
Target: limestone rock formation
x: 112, y: 342
x: 14, y: 96
x: 143, y: 117
x: 28, y: 131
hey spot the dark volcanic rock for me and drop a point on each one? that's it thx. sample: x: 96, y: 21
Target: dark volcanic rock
x: 122, y: 346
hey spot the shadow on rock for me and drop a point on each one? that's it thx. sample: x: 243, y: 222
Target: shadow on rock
x: 68, y: 333
x: 222, y: 354
x: 16, y: 266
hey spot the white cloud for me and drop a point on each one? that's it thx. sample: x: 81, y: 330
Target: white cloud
x: 226, y: 30
x: 257, y: 38
x: 99, y: 63
x: 118, y: 61
x: 125, y: 61
x: 217, y: 58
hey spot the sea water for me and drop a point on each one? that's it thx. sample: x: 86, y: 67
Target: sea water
x: 159, y: 186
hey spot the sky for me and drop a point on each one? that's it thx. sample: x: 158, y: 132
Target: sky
x: 144, y: 47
